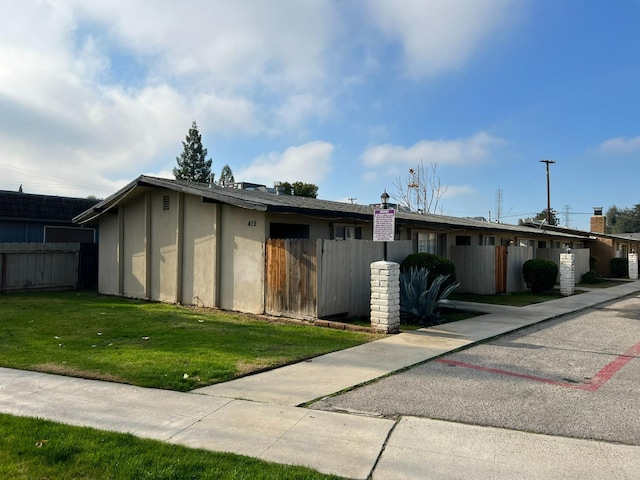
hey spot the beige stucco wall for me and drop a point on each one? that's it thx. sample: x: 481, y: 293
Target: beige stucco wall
x: 134, y: 248
x: 243, y: 234
x: 199, y: 252
x: 163, y: 248
x: 108, y: 255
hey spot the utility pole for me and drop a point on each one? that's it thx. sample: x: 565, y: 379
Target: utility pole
x: 548, y: 191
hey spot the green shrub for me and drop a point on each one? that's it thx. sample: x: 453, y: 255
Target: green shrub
x: 435, y: 264
x: 420, y: 302
x: 619, y: 267
x: 593, y: 261
x: 540, y: 275
x: 591, y: 277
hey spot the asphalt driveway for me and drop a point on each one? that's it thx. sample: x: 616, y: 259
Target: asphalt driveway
x: 577, y: 376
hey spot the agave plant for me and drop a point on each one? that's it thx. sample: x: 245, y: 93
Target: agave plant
x: 420, y: 301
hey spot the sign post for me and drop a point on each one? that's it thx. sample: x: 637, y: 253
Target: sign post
x: 384, y: 227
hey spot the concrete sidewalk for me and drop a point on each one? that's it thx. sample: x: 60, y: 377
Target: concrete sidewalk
x: 269, y: 426
x: 307, y: 381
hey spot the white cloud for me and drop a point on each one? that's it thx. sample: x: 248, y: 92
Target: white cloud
x: 437, y: 36
x: 103, y: 91
x: 298, y: 108
x: 369, y: 177
x: 310, y: 162
x: 458, y: 191
x: 231, y: 43
x: 620, y: 145
x: 463, y: 151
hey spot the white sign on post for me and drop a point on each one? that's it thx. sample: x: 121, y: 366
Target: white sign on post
x: 384, y: 225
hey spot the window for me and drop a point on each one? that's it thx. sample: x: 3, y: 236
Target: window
x: 523, y: 242
x: 432, y: 243
x: 288, y: 230
x: 542, y: 244
x: 463, y: 240
x: 69, y: 234
x: 487, y: 240
x: 427, y: 242
x: 344, y: 232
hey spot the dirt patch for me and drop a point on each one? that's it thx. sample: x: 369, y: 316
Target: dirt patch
x: 257, y: 365
x: 70, y: 371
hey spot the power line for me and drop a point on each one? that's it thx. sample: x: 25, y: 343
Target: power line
x: 58, y: 181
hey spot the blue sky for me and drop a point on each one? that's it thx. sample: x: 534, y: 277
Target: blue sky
x: 345, y: 94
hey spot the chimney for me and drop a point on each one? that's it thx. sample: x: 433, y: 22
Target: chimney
x: 279, y: 190
x: 598, y: 221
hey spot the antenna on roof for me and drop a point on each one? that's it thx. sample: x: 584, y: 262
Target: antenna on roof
x: 20, y: 189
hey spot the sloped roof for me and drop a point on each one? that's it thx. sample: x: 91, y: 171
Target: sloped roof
x: 47, y: 208
x: 584, y: 234
x: 263, y: 201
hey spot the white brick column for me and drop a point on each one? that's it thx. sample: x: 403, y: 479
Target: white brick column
x: 633, y: 266
x: 567, y: 274
x: 385, y: 297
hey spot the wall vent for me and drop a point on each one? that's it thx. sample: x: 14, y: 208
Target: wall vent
x: 166, y: 202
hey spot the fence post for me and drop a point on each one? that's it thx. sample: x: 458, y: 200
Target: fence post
x: 633, y: 266
x: 385, y: 297
x: 567, y: 275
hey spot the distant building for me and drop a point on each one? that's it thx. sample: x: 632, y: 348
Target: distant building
x: 26, y: 217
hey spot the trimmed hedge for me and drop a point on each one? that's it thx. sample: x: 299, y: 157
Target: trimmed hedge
x: 540, y: 275
x: 591, y: 277
x: 436, y: 265
x: 619, y: 267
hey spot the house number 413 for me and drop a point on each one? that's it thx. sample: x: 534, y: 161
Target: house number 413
x: 252, y: 223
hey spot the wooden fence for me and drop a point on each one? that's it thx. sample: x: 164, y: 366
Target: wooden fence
x: 36, y: 266
x: 323, y: 278
x: 482, y: 269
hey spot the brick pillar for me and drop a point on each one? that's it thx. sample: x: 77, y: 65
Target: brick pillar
x: 567, y: 274
x: 633, y: 266
x: 385, y: 297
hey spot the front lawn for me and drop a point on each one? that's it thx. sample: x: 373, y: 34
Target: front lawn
x: 150, y: 344
x: 32, y: 448
x: 515, y: 299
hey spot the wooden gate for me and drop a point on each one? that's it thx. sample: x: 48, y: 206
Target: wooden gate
x: 501, y: 269
x: 291, y: 277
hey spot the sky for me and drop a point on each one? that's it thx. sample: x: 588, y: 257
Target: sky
x: 348, y: 95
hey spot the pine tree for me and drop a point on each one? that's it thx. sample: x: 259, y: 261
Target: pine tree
x: 226, y: 176
x: 192, y: 163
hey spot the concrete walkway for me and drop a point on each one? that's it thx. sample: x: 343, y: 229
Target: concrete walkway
x: 307, y: 381
x: 258, y: 416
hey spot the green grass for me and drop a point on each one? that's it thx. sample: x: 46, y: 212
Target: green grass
x: 150, y: 344
x: 605, y: 283
x: 447, y: 315
x: 32, y: 448
x: 515, y: 299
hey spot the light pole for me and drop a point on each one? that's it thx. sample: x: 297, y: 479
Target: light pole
x: 548, y: 191
x: 384, y: 198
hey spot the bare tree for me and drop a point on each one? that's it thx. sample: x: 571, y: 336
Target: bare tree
x: 420, y: 190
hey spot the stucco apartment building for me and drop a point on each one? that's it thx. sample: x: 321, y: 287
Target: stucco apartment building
x: 183, y: 242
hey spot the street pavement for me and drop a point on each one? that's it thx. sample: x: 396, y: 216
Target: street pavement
x: 260, y: 415
x: 572, y: 377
